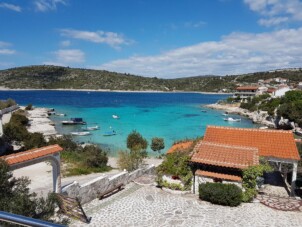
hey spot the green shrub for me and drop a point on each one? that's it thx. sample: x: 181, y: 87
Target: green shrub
x: 176, y: 164
x: 249, y: 180
x: 222, y: 194
x: 29, y: 107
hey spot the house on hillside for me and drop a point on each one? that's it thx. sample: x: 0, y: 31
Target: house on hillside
x: 281, y: 90
x: 281, y: 80
x: 245, y: 92
x: 225, y: 152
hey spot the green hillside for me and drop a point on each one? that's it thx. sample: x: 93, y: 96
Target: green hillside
x: 54, y: 77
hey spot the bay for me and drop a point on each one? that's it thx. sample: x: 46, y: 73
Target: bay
x: 172, y: 116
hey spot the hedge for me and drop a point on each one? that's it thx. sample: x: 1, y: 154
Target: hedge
x: 222, y: 194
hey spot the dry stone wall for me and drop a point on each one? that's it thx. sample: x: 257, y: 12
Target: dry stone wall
x: 89, y: 191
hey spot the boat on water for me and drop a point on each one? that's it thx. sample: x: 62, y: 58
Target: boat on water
x: 74, y: 121
x: 263, y: 127
x: 232, y: 119
x: 203, y: 111
x: 60, y: 114
x: 115, y: 116
x: 91, y: 128
x: 80, y: 133
x: 110, y: 133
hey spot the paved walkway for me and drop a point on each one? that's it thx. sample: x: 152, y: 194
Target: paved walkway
x: 281, y: 203
x: 139, y: 205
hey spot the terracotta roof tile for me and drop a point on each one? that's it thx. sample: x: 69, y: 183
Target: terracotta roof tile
x: 180, y: 146
x: 225, y: 155
x: 31, y: 154
x: 218, y: 175
x: 270, y: 143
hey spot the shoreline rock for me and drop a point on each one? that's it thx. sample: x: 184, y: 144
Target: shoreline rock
x: 258, y: 117
x: 40, y: 122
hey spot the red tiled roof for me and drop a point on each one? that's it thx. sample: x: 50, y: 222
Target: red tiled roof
x: 271, y: 90
x: 225, y: 155
x: 270, y: 143
x: 31, y: 154
x: 247, y: 88
x: 180, y: 146
x: 218, y: 175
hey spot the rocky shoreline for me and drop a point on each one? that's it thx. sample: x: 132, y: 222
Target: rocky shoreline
x: 39, y: 122
x: 258, y: 117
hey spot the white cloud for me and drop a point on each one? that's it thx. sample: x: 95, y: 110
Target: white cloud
x: 47, y: 5
x: 7, y: 51
x: 197, y: 24
x: 70, y: 56
x: 233, y: 54
x: 275, y: 12
x: 65, y: 57
x: 272, y: 21
x: 65, y: 43
x: 113, y: 39
x: 12, y: 7
x: 4, y: 50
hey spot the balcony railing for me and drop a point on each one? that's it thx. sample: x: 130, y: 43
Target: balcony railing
x: 25, y: 221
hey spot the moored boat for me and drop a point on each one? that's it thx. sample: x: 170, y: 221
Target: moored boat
x: 110, y: 133
x: 74, y: 121
x: 80, y: 133
x: 91, y: 128
x: 232, y: 119
x: 115, y: 116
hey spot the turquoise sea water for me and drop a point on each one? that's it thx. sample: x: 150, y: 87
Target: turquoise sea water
x: 173, y: 116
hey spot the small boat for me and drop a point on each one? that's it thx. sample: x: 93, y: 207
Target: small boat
x: 115, y: 116
x: 232, y: 119
x: 74, y: 121
x: 92, y: 128
x: 203, y: 111
x: 110, y: 133
x: 263, y: 127
x: 80, y: 133
x: 60, y: 114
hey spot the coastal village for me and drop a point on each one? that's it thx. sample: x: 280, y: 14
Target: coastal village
x: 254, y: 170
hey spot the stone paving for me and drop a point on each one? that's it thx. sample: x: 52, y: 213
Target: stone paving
x: 281, y: 203
x: 139, y: 205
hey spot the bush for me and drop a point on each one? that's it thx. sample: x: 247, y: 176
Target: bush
x: 29, y: 107
x: 176, y: 164
x: 222, y: 194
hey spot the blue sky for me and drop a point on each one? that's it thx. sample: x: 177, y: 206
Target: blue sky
x: 163, y: 38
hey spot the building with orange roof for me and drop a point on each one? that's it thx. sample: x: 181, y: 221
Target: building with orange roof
x: 246, y: 91
x: 181, y: 146
x: 49, y: 153
x: 225, y: 152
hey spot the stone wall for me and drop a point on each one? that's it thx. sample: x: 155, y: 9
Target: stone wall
x: 91, y: 189
x: 202, y: 180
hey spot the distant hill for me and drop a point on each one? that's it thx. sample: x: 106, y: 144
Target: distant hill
x: 55, y: 77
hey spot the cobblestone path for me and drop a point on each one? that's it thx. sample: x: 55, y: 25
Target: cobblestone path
x: 139, y: 205
x: 281, y: 203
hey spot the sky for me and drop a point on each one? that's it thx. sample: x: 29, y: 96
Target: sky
x: 154, y: 38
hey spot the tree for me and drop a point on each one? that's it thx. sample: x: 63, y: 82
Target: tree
x: 135, y: 141
x: 34, y: 140
x: 157, y: 144
x: 95, y: 156
x: 137, y: 145
x: 16, y: 198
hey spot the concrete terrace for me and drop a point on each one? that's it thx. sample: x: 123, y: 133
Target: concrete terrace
x: 146, y: 205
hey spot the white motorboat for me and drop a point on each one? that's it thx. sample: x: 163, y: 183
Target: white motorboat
x: 263, y: 127
x: 232, y: 119
x: 80, y: 133
x: 91, y: 128
x: 115, y: 116
x: 61, y: 114
x: 74, y: 121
